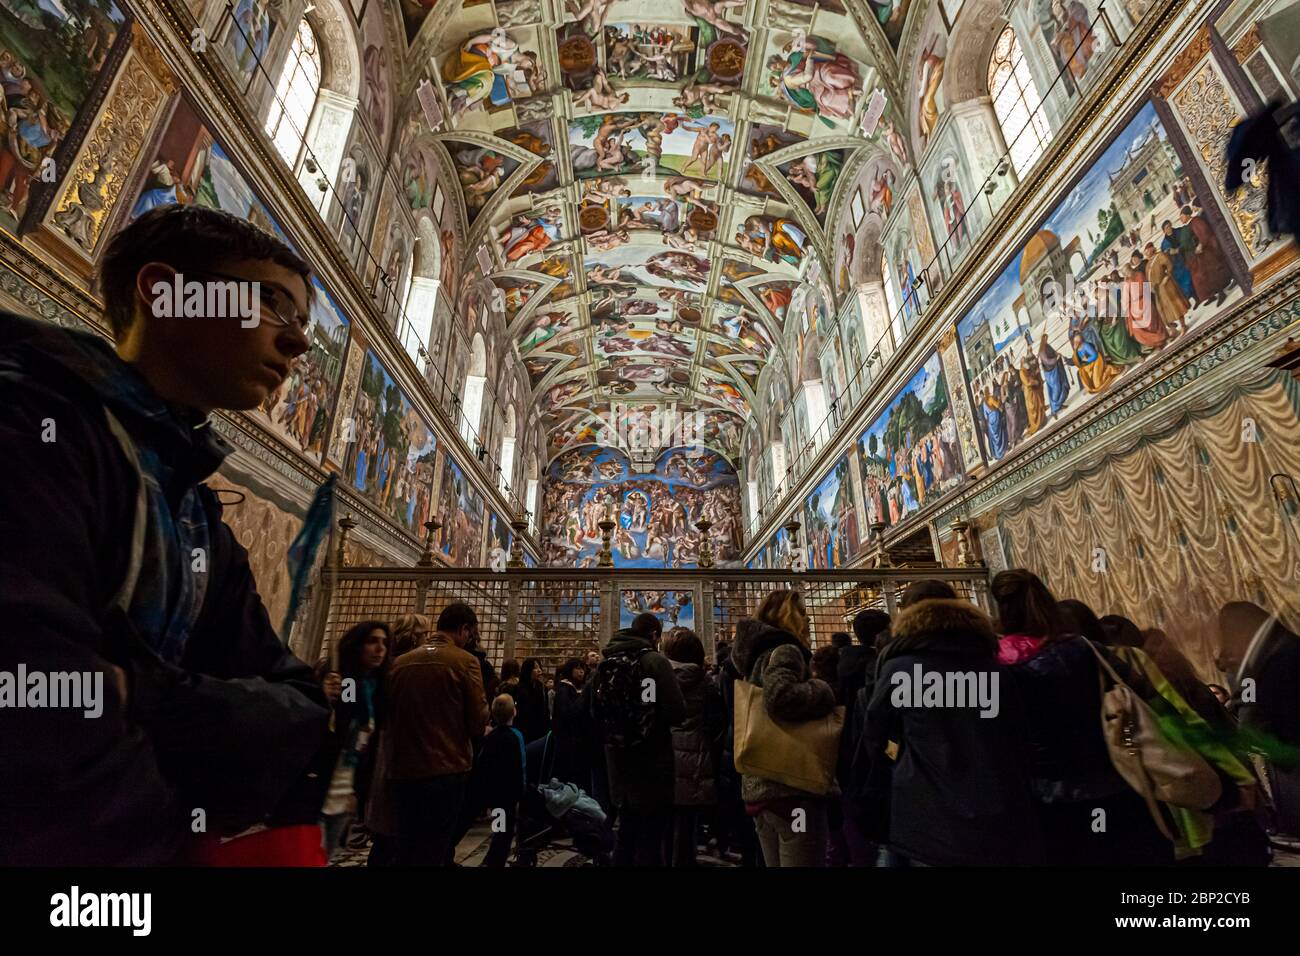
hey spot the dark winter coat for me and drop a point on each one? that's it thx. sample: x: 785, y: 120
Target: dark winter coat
x: 571, y: 725
x: 642, y: 776
x: 857, y: 666
x: 230, y: 727
x: 498, y: 780
x: 1069, y: 765
x: 775, y: 661
x: 959, y: 791
x: 490, y: 680
x: 694, y: 737
x: 351, y: 719
x: 1061, y: 697
x: 532, y: 715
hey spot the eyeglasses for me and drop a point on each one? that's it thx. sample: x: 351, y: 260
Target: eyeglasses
x: 281, y: 313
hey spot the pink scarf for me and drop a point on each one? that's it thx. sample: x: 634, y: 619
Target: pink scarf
x: 1014, y: 648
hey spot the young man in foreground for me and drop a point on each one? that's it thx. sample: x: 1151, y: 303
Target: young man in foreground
x: 120, y: 577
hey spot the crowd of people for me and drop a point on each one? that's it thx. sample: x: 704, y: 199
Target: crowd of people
x: 151, y: 715
x: 437, y: 739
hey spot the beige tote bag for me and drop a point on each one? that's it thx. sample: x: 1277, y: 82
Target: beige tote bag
x: 800, y: 755
x: 1160, y: 770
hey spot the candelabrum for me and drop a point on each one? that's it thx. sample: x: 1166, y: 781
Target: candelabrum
x: 965, y: 557
x: 518, y: 526
x: 706, y: 544
x: 877, y: 529
x: 426, y: 557
x: 605, y: 556
x: 791, y: 528
x: 346, y: 524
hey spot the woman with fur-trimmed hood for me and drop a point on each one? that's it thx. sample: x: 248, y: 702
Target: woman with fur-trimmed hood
x: 772, y: 652
x: 943, y: 707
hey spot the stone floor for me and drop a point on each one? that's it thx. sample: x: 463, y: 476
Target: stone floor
x: 471, y: 851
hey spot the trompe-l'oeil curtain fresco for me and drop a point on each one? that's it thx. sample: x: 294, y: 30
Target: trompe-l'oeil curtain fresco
x: 1179, y: 523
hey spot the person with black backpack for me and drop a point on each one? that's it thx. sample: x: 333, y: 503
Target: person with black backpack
x: 635, y: 702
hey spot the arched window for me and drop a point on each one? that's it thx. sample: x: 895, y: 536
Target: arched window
x: 404, y: 297
x: 472, y: 399
x: 887, y: 280
x: 1016, y: 101
x: 530, y: 503
x: 506, y: 455
x: 295, y: 94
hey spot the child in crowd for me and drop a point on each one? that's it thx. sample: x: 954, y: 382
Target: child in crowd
x: 502, y: 778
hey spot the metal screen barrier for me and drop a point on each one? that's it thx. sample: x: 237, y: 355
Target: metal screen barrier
x: 554, y: 614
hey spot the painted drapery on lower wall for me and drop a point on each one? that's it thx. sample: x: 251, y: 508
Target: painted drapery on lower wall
x: 1184, y: 521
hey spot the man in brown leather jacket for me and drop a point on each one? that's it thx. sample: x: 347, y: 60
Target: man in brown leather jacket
x: 435, y: 708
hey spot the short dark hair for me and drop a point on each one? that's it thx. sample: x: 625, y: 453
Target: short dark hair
x: 684, y: 646
x: 1122, y: 632
x: 825, y: 662
x: 926, y: 590
x: 647, y: 625
x: 868, y: 624
x: 841, y: 639
x: 568, y: 667
x: 183, y: 237
x: 455, y: 616
x: 1081, y: 620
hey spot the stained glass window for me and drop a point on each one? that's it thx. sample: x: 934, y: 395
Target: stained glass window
x: 295, y: 94
x: 1017, y: 103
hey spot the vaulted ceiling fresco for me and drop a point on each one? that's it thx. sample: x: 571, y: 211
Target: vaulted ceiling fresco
x: 653, y: 181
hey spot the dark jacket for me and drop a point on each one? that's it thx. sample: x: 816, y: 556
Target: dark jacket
x: 694, y: 737
x: 532, y: 715
x: 489, y: 675
x: 857, y: 666
x: 857, y: 663
x: 499, y: 770
x: 642, y: 776
x: 1069, y: 765
x: 571, y: 725
x: 229, y: 726
x: 775, y: 661
x: 959, y: 791
x: 354, y: 722
x: 1275, y: 668
x: 1061, y: 697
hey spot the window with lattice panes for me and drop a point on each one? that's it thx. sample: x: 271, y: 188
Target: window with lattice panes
x: 887, y: 281
x: 295, y: 94
x: 1017, y: 103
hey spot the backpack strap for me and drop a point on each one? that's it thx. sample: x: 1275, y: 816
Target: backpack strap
x: 135, y: 553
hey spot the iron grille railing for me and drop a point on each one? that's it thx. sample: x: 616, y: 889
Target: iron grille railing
x: 554, y: 614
